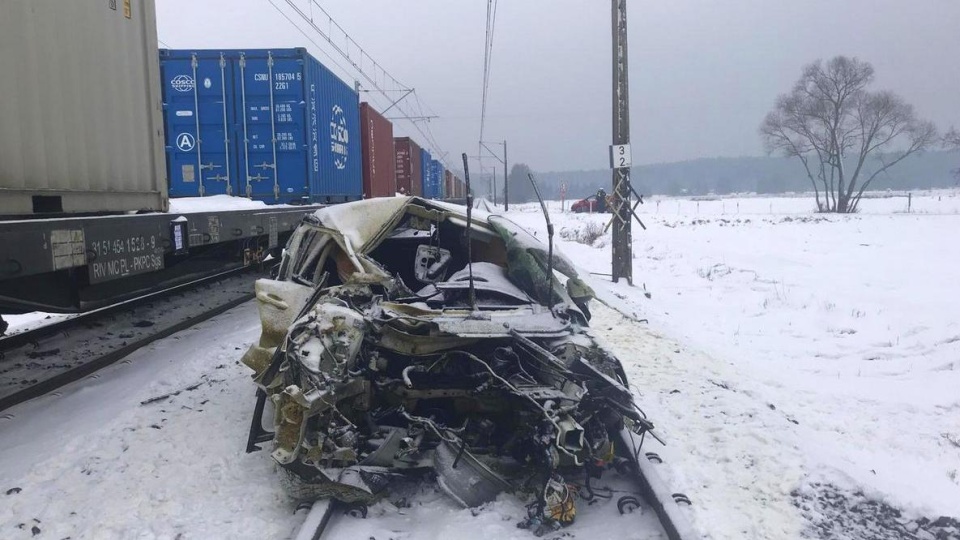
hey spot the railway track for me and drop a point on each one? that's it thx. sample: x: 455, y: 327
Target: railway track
x: 638, y: 489
x: 39, y: 361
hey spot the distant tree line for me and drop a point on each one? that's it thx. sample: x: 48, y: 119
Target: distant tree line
x: 720, y: 176
x: 952, y: 141
x: 846, y: 138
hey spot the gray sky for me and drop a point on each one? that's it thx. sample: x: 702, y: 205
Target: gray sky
x: 702, y: 73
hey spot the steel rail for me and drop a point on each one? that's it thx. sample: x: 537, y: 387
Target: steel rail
x: 643, y: 472
x: 19, y: 339
x: 86, y: 368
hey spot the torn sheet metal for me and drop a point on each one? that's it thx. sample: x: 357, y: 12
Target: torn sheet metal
x: 390, y: 367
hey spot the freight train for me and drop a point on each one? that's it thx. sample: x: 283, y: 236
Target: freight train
x: 221, y: 137
x: 112, y: 152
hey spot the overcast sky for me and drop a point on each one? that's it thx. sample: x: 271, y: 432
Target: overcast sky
x: 702, y: 73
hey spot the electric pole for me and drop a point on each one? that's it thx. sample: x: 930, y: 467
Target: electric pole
x: 506, y: 177
x: 506, y: 180
x: 620, y: 159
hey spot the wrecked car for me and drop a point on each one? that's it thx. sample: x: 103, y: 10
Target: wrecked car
x: 403, y: 336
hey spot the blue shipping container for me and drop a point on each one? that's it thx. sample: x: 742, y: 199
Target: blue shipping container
x: 274, y: 125
x: 425, y: 169
x: 435, y: 190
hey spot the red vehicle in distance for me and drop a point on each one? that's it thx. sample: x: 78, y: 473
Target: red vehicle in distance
x: 590, y: 204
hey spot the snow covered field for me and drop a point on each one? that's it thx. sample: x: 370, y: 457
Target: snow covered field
x: 832, y: 344
x: 804, y: 370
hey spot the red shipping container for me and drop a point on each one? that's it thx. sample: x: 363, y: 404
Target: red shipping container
x: 379, y: 157
x: 408, y: 166
x: 448, y: 191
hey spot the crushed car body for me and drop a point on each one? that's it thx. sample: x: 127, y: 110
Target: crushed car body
x: 401, y: 338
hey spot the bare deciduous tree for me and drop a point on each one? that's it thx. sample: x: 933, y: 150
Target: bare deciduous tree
x: 833, y: 124
x: 952, y: 141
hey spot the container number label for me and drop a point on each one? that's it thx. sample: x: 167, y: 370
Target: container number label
x: 123, y: 246
x: 120, y: 256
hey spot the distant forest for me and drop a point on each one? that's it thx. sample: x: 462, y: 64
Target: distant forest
x: 733, y: 175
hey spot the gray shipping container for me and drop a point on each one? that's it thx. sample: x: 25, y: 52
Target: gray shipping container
x: 81, y: 126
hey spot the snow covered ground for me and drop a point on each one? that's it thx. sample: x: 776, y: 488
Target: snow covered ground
x: 91, y: 461
x: 34, y: 319
x: 804, y: 370
x: 217, y: 203
x: 831, y: 343
x: 95, y: 461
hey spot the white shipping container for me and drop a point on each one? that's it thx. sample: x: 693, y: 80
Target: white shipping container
x: 81, y: 125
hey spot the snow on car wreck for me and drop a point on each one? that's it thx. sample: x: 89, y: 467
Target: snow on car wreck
x: 400, y: 338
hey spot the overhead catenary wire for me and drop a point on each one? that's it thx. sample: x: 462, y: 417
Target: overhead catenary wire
x: 375, y: 76
x: 487, y: 68
x: 487, y: 60
x: 389, y: 84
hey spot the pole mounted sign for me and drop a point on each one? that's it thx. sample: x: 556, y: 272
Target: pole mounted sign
x: 620, y: 156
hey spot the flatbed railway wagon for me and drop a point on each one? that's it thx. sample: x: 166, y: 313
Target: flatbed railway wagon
x: 84, y: 204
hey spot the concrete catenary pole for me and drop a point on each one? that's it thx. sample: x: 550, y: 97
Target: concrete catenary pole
x: 622, y: 264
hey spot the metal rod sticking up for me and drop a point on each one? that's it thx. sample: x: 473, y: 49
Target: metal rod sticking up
x: 466, y: 176
x: 546, y: 216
